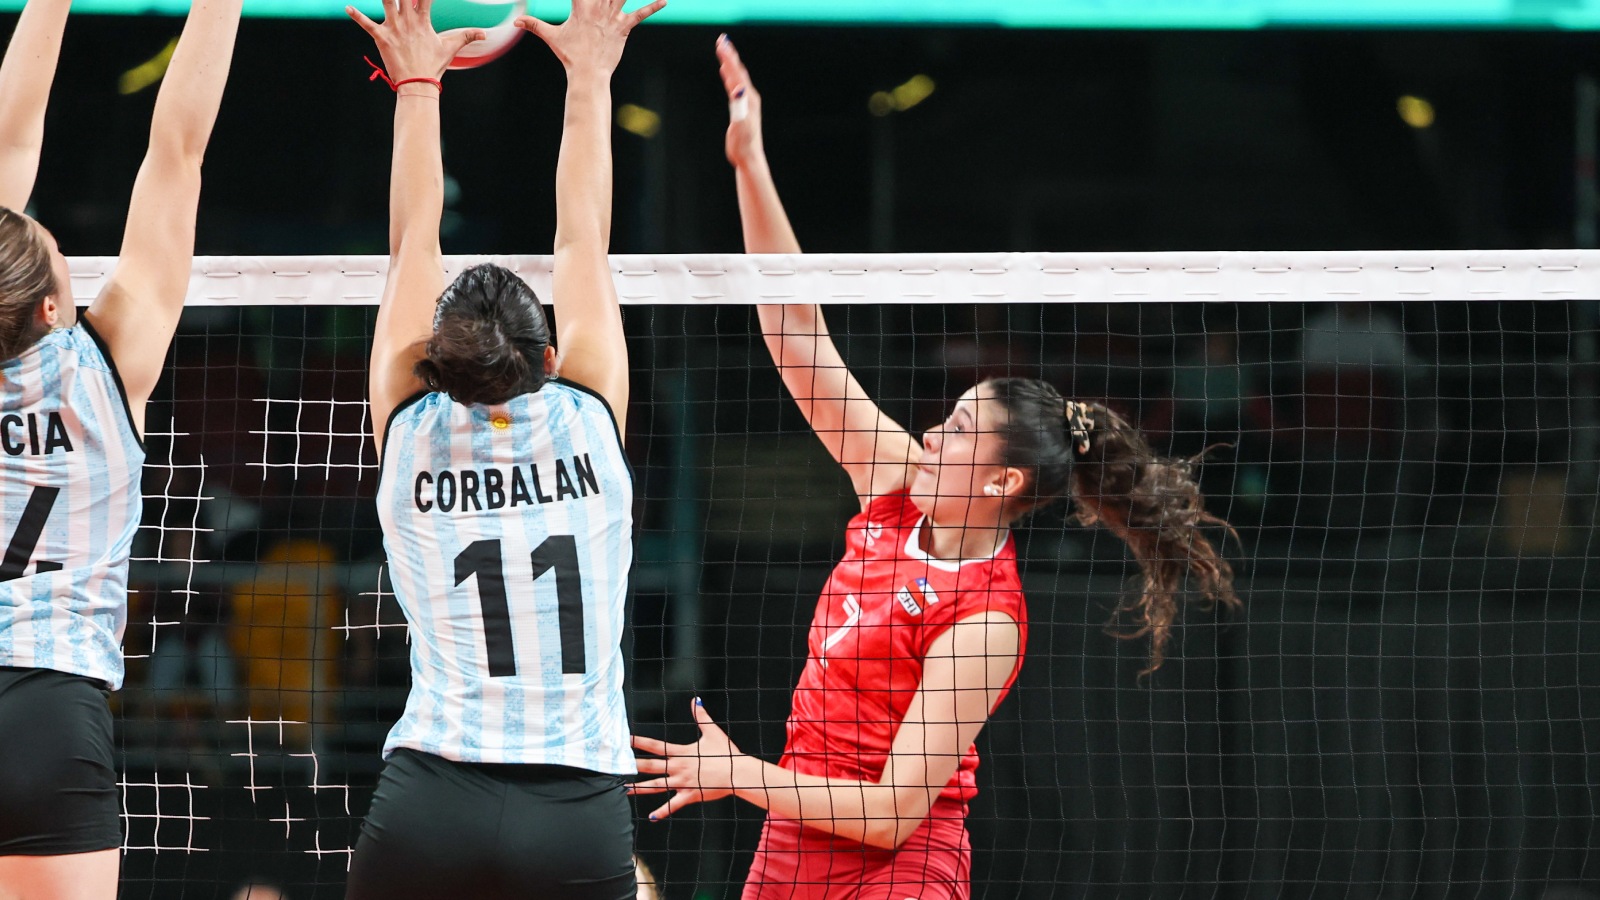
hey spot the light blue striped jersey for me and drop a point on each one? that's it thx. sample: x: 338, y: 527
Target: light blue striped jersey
x: 509, y: 532
x: 70, y: 461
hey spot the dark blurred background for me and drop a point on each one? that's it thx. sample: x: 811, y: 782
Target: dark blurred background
x: 1408, y: 705
x: 1031, y: 140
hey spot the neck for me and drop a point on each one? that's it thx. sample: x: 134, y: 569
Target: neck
x: 967, y: 540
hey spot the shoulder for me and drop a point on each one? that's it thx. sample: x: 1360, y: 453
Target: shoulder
x: 81, y: 339
x: 993, y: 585
x: 583, y: 400
x: 879, y: 529
x: 894, y: 508
x: 579, y: 395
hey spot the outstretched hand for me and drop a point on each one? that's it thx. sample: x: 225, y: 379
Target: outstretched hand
x: 695, y: 772
x: 744, y: 106
x: 594, y: 35
x: 406, y: 39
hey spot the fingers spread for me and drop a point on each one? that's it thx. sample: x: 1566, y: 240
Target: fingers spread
x: 650, y: 745
x: 653, y: 786
x: 677, y: 802
x: 462, y: 38
x: 703, y: 718
x: 645, y: 13
x: 367, y: 25
x: 535, y: 25
x: 648, y: 766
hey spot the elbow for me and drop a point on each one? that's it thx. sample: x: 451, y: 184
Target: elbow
x: 889, y: 833
x: 581, y: 242
x: 176, y: 150
x: 890, y: 828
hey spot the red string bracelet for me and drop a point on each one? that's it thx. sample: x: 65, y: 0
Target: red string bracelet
x: 378, y: 72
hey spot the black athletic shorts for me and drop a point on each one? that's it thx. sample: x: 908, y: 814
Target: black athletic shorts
x: 443, y: 829
x: 58, y: 785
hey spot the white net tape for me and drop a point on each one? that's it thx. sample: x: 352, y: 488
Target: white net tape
x: 933, y: 278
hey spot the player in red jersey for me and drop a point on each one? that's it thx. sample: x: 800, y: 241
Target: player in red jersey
x: 919, y: 632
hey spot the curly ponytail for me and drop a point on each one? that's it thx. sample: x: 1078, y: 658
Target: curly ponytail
x: 489, y: 338
x: 1154, y: 505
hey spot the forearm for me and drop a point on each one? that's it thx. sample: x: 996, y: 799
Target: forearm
x: 796, y: 333
x: 879, y: 815
x: 766, y: 224
x: 416, y: 181
x: 191, y: 92
x: 25, y: 78
x: 583, y: 171
x: 29, y: 69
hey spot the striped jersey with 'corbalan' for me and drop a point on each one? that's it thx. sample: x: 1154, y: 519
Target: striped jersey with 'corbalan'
x: 70, y: 461
x: 509, y: 532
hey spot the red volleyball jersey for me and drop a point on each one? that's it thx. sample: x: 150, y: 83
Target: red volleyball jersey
x: 883, y: 606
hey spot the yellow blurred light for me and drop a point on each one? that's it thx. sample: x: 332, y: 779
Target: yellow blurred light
x: 918, y: 89
x: 902, y: 98
x: 1415, y: 111
x: 148, y: 72
x: 635, y: 119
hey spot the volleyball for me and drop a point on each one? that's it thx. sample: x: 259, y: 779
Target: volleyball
x: 496, y: 18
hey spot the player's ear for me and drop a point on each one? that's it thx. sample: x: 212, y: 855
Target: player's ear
x: 549, y: 360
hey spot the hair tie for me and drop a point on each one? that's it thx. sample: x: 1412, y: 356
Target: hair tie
x: 1080, y: 421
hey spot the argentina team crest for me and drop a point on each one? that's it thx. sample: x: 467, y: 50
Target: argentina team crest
x: 917, y: 595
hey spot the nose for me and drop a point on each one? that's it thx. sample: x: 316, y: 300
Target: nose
x: 931, y: 439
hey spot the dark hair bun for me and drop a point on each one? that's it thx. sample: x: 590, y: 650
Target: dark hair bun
x: 489, y: 338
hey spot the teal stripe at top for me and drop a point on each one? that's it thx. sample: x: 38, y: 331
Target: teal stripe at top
x: 1224, y: 14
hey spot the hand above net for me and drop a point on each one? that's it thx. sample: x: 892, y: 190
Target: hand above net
x: 411, y: 49
x: 744, y: 106
x: 594, y: 35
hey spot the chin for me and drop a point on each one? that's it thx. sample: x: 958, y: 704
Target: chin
x: 923, y: 491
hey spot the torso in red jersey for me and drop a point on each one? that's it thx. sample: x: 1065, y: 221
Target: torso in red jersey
x: 883, y: 606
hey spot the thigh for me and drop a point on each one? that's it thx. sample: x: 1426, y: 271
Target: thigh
x: 58, y: 788
x: 935, y: 864
x: 440, y: 829
x: 568, y: 835
x: 796, y: 863
x: 78, y: 876
x: 428, y: 833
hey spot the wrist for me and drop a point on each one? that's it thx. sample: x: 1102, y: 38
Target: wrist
x: 752, y: 161
x: 429, y: 90
x: 588, y: 73
x: 749, y: 779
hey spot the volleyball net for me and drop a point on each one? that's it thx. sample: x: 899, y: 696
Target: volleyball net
x: 1406, y: 706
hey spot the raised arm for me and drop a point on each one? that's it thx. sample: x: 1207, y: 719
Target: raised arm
x: 138, y: 309
x: 963, y: 677
x: 589, y: 44
x: 25, y: 79
x: 874, y: 450
x: 413, y: 55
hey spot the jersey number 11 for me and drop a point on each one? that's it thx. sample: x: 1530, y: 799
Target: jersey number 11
x: 558, y: 552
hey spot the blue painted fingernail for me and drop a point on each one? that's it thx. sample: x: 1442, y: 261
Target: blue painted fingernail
x: 739, y: 93
x: 697, y: 702
x: 652, y: 817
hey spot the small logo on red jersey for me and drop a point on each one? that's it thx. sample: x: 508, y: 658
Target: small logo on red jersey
x: 874, y: 530
x: 916, y: 595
